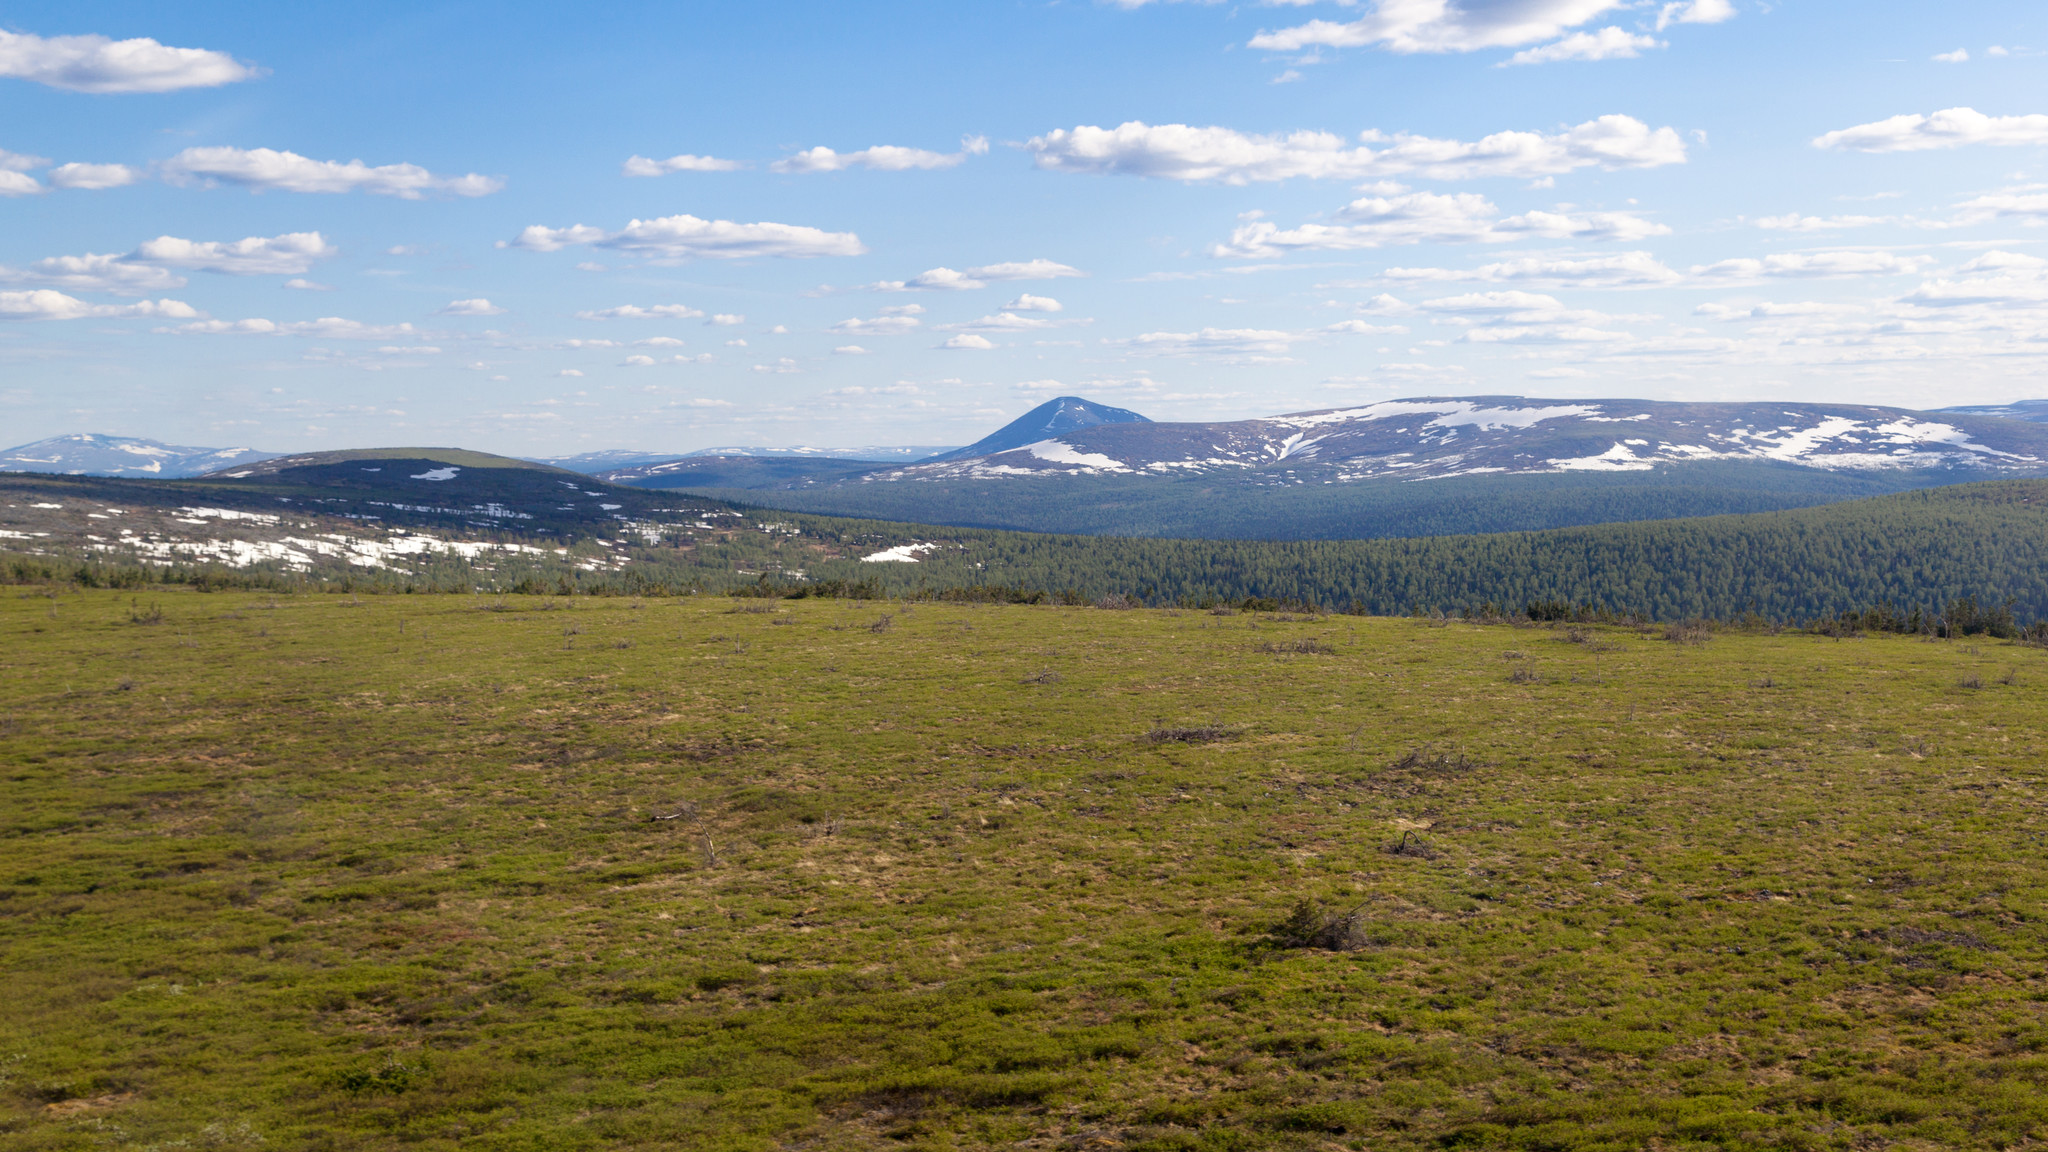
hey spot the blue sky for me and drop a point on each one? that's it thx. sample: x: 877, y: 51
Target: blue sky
x: 1197, y: 210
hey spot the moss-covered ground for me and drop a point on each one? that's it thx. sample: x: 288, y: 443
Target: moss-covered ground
x: 439, y: 872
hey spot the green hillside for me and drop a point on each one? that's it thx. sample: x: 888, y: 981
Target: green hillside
x: 1922, y: 548
x: 1270, y: 504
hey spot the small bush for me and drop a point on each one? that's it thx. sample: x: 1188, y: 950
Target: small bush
x: 1306, y: 646
x: 1205, y: 734
x: 1689, y: 632
x: 1310, y: 926
x: 1524, y: 675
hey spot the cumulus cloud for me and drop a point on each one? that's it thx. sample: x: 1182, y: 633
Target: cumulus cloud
x: 1411, y: 26
x: 1816, y: 264
x: 1026, y: 302
x: 1464, y: 217
x: 1000, y: 322
x: 878, y: 326
x: 95, y: 272
x: 1949, y: 128
x: 650, y: 342
x: 969, y: 343
x: 850, y: 350
x: 1959, y: 56
x: 1215, y: 340
x: 92, y: 177
x: 573, y: 373
x: 642, y: 166
x: 2028, y: 205
x: 1694, y: 12
x: 14, y: 177
x: 97, y: 64
x: 289, y: 254
x: 944, y: 279
x: 687, y: 237
x: 269, y: 170
x: 727, y: 319
x: 1607, y: 44
x: 476, y: 307
x: 635, y: 312
x: 1794, y: 222
x: 305, y: 285
x: 1629, y: 269
x: 49, y: 304
x: 881, y: 158
x: 1227, y: 156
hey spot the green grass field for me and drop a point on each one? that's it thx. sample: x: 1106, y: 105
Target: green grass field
x: 439, y: 872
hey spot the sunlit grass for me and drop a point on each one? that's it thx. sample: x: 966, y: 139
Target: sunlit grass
x: 541, y: 872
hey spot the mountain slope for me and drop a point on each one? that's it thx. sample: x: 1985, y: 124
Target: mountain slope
x: 1049, y: 420
x: 91, y: 454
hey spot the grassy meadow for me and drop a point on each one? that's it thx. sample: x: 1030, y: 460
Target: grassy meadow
x: 478, y: 872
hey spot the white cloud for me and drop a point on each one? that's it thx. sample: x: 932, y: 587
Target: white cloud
x: 1001, y: 322
x: 48, y: 304
x: 95, y: 272
x: 1026, y: 302
x: 289, y: 254
x: 1813, y: 265
x: 1226, y: 156
x: 1959, y: 56
x: 1607, y: 44
x: 736, y: 343
x: 850, y: 350
x: 1999, y: 261
x: 1770, y: 310
x: 252, y: 327
x: 687, y: 237
x: 878, y: 326
x: 1361, y: 328
x: 572, y: 373
x: 1410, y: 26
x: 1794, y: 222
x: 336, y: 328
x: 651, y: 342
x: 1949, y: 128
x: 727, y: 319
x: 1463, y: 217
x: 881, y: 158
x: 902, y: 310
x: 21, y: 161
x: 1629, y: 269
x: 783, y: 365
x: 2028, y: 205
x: 92, y: 177
x: 637, y: 362
x: 969, y: 343
x: 266, y: 169
x: 635, y: 312
x: 97, y: 64
x: 1695, y: 12
x: 642, y: 166
x: 1996, y: 50
x: 307, y: 285
x: 948, y: 279
x: 14, y: 183
x: 1221, y: 340
x: 476, y: 307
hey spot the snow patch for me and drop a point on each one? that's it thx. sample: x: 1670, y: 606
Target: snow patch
x: 900, y: 554
x: 438, y: 474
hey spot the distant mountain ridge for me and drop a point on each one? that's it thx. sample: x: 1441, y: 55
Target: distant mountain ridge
x: 617, y: 459
x: 2035, y: 410
x: 93, y: 454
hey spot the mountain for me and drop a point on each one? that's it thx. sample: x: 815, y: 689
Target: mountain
x: 2035, y: 410
x: 1431, y: 437
x: 620, y: 460
x: 1049, y: 420
x: 91, y: 454
x: 1494, y: 464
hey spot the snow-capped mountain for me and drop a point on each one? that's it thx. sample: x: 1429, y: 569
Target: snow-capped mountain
x: 1053, y: 418
x: 88, y: 454
x: 1431, y: 437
